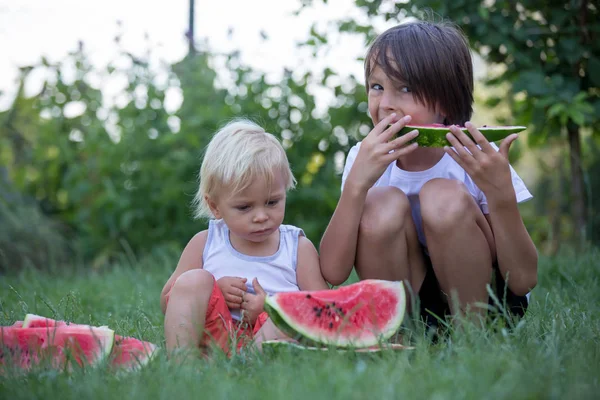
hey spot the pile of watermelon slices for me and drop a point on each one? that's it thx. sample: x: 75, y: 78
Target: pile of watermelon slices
x: 39, y: 340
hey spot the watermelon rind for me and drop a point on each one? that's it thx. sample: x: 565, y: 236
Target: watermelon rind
x: 435, y: 136
x: 109, y: 341
x: 286, y: 323
x: 286, y: 345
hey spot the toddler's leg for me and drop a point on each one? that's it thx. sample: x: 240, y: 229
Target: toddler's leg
x: 269, y: 332
x: 388, y: 247
x: 460, y: 242
x: 186, y: 311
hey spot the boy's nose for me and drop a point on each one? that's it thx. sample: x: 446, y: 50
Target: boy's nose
x: 388, y: 103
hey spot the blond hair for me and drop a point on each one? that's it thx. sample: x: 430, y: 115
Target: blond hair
x: 239, y: 153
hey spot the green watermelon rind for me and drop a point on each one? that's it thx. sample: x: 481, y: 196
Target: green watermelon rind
x: 278, y: 345
x: 435, y: 136
x: 285, y: 323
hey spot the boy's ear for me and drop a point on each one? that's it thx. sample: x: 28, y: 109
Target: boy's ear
x: 213, y: 207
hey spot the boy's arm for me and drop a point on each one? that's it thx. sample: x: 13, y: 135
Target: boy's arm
x: 338, y: 244
x: 191, y: 258
x: 515, y: 251
x: 377, y: 151
x: 308, y: 271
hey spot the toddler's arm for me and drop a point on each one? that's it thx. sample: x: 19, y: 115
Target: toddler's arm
x: 191, y: 258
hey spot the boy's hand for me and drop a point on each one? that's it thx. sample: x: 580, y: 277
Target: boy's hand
x: 378, y: 150
x: 253, y: 304
x: 488, y: 168
x: 233, y: 288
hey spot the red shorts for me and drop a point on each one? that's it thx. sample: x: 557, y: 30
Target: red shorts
x: 220, y: 328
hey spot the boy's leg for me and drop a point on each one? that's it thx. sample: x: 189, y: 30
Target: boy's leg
x: 186, y: 309
x: 388, y: 246
x: 460, y: 243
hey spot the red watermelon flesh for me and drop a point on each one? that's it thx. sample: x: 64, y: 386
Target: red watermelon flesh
x: 29, y: 346
x: 131, y: 353
x: 128, y: 352
x: 358, y: 315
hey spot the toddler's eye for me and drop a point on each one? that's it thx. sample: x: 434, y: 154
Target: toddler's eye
x: 272, y: 203
x: 242, y: 208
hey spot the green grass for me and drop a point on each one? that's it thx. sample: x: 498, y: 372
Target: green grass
x: 553, y: 353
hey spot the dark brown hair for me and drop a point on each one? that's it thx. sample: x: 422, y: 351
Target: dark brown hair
x: 434, y: 60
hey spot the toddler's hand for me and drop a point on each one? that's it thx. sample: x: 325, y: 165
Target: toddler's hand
x: 377, y: 151
x: 233, y: 289
x: 253, y: 304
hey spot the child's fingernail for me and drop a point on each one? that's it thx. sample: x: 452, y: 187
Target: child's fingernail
x: 407, y: 118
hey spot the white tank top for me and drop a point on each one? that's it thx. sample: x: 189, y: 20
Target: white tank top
x: 275, y: 273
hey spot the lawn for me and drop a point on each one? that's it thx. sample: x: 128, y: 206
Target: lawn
x: 553, y: 353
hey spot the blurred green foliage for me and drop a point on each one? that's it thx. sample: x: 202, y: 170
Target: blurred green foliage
x: 120, y: 175
x: 97, y: 177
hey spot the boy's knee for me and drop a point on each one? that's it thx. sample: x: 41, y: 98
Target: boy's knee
x: 193, y: 281
x: 445, y: 203
x: 386, y: 211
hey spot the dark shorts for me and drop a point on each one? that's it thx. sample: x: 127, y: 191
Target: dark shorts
x: 435, y: 303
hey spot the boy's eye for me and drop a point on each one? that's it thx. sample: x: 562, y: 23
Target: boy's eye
x: 405, y: 89
x: 376, y: 86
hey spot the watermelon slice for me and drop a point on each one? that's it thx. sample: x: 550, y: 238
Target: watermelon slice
x: 435, y: 135
x: 131, y: 353
x: 362, y: 314
x: 128, y: 352
x: 85, y: 345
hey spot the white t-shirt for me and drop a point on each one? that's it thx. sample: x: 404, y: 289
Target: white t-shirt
x: 412, y: 182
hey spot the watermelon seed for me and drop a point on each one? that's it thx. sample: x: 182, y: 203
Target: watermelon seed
x: 330, y: 325
x: 315, y: 309
x: 327, y: 306
x: 308, y: 296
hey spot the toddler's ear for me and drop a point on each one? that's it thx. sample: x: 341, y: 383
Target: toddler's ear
x: 213, y: 207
